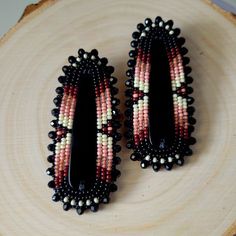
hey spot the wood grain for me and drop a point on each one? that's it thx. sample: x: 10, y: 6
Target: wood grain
x: 198, y: 199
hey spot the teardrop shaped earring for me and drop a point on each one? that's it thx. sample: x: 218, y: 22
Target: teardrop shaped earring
x: 159, y: 115
x: 84, y: 140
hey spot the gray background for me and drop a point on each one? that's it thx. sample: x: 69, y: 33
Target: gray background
x: 10, y: 13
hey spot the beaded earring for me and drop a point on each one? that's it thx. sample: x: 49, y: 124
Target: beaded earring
x: 84, y: 141
x: 159, y: 114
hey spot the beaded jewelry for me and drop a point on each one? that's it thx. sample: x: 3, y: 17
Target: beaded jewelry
x: 84, y: 141
x: 159, y: 115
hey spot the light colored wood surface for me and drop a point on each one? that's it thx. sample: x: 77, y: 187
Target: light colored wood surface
x: 198, y: 199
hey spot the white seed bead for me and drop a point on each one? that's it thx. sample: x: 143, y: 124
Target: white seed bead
x: 93, y: 57
x: 66, y: 199
x: 154, y: 160
x: 81, y: 203
x: 147, y: 158
x: 143, y: 34
x: 177, y: 156
x: 147, y: 29
x: 162, y: 161
x: 170, y: 159
x: 96, y: 200
x: 99, y: 63
x: 171, y: 32
x: 74, y: 64
x: 161, y: 23
x: 153, y: 25
x: 72, y: 202
x: 167, y: 27
x: 78, y: 59
x: 88, y: 202
x: 85, y: 56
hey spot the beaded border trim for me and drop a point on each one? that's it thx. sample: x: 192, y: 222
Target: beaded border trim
x: 107, y: 135
x: 138, y: 96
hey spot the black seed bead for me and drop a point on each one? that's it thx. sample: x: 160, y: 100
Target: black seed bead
x: 59, y: 90
x: 117, y: 148
x: 116, y: 124
x: 128, y: 112
x: 144, y: 164
x: 170, y: 23
x: 128, y: 103
x: 129, y: 145
x: 189, y: 79
x: 114, y: 91
x: 129, y: 73
x: 110, y: 69
x: 50, y: 159
x: 117, y: 136
x: 190, y: 128
x: 128, y: 135
x: 55, y: 112
x: 188, y: 152
x: 65, y: 69
x: 192, y: 121
x: 156, y: 167
x: 94, y: 52
x: 189, y: 90
x: 136, y: 35
x: 71, y: 59
x: 134, y: 44
x: 177, y: 31
x: 129, y: 83
x: 57, y: 101
x: 51, y: 184
x: 186, y: 60
x: 81, y: 51
x: 115, y: 101
x: 190, y: 100
x: 117, y: 160
x: 115, y: 111
x: 62, y: 79
x: 148, y: 22
x: 53, y: 123
x: 50, y: 171
x: 113, y: 188
x: 140, y: 26
x: 191, y: 110
x: 128, y: 92
x: 51, y: 147
x: 132, y: 53
x: 183, y: 50
x: 80, y: 210
x: 116, y: 174
x: 187, y: 70
x: 106, y: 200
x: 55, y: 197
x: 192, y: 141
x: 52, y: 134
x: 66, y: 206
x: 131, y: 63
x: 104, y: 60
x: 113, y: 80
x: 94, y: 207
x: 181, y: 41
x: 158, y: 19
x: 168, y: 166
x: 179, y: 161
x: 128, y: 123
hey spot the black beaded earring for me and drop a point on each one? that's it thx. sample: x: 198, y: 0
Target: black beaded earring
x: 84, y: 140
x: 159, y: 115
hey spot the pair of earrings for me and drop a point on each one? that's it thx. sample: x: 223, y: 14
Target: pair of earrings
x: 159, y: 116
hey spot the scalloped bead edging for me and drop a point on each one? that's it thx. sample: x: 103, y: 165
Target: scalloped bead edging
x: 137, y: 94
x: 107, y: 135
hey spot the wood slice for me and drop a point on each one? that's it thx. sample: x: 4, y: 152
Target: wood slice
x: 197, y: 199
